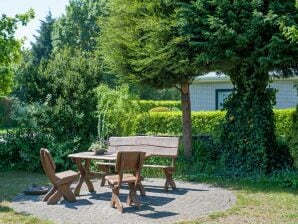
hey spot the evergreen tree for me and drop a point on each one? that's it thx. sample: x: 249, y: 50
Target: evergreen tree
x: 29, y: 82
x: 42, y: 47
x: 141, y: 43
x: 245, y: 40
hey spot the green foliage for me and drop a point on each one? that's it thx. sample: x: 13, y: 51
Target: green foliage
x: 160, y: 109
x: 42, y: 47
x: 147, y: 105
x: 10, y: 48
x: 146, y: 45
x: 170, y: 123
x: 78, y: 28
x: 203, y: 122
x: 244, y: 39
x: 146, y: 92
x: 292, y: 137
x: 21, y: 150
x: 71, y: 77
x: 117, y: 109
x: 5, y: 107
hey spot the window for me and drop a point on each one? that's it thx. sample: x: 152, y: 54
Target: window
x: 221, y: 95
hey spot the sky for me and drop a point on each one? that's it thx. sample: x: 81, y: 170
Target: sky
x: 41, y: 9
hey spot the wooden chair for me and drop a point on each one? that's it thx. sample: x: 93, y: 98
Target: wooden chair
x: 61, y: 181
x: 126, y: 161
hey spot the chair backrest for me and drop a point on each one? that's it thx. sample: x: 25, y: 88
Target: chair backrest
x: 129, y: 161
x: 48, y: 164
x: 153, y: 145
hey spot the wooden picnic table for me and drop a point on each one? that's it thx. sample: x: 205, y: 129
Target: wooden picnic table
x: 83, y: 160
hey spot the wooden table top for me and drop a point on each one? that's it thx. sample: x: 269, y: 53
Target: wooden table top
x: 92, y: 155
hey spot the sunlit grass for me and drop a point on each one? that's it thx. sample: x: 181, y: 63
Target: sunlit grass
x: 13, y: 183
x: 259, y: 202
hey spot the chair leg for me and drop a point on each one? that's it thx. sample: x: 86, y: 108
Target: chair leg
x: 132, y: 196
x: 55, y: 198
x: 115, y: 201
x: 67, y: 193
x: 50, y: 193
x: 141, y: 188
x: 169, y: 178
x: 105, y: 170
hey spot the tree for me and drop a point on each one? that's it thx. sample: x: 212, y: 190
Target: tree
x: 27, y: 77
x: 78, y: 27
x: 245, y: 40
x: 42, y: 47
x: 141, y: 43
x: 70, y: 79
x: 10, y: 47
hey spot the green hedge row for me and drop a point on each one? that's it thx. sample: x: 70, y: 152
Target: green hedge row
x: 170, y: 123
x: 146, y: 105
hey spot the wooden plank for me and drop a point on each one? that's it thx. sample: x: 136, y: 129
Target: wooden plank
x: 148, y: 149
x: 169, y: 142
x: 92, y: 155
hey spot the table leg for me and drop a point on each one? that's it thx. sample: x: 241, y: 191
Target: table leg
x: 84, y: 176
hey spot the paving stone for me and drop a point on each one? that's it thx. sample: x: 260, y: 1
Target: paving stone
x: 189, y: 201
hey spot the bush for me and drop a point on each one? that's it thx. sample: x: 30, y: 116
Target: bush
x: 147, y: 105
x: 171, y: 122
x: 117, y: 110
x: 205, y: 122
x: 293, y: 137
x: 159, y: 109
x: 5, y: 107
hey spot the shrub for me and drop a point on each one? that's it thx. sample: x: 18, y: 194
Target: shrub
x: 293, y: 137
x: 171, y: 122
x: 146, y: 105
x: 117, y: 110
x: 5, y: 107
x: 159, y: 109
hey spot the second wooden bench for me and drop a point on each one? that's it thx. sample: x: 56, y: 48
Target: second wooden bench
x: 153, y: 146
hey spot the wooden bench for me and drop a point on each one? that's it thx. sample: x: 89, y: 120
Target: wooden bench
x: 152, y: 146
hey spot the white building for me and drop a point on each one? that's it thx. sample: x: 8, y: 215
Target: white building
x: 209, y: 91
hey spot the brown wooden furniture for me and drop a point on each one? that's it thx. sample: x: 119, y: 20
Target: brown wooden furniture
x: 131, y: 162
x: 83, y: 160
x: 61, y: 181
x: 152, y: 146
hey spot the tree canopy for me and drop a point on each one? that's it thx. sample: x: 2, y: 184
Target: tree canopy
x: 10, y: 47
x: 78, y: 27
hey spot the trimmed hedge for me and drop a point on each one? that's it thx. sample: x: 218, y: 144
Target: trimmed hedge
x: 283, y: 121
x: 170, y: 123
x: 147, y: 105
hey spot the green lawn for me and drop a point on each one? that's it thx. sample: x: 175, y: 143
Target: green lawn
x: 257, y: 202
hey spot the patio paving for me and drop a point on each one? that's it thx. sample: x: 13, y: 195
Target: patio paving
x: 189, y: 201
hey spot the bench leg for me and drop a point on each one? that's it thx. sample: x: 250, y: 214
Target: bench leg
x: 169, y: 178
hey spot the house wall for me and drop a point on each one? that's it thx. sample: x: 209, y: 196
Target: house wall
x: 203, y: 94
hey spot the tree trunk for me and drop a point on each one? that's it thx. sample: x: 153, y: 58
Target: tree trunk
x: 186, y: 117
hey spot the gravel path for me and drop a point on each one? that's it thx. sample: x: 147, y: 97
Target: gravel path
x: 190, y: 200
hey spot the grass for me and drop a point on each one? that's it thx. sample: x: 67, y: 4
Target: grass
x: 260, y: 201
x: 12, y: 183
